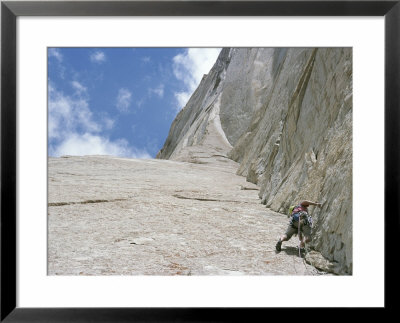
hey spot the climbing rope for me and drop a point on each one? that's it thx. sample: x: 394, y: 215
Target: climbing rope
x: 299, y: 236
x: 304, y: 261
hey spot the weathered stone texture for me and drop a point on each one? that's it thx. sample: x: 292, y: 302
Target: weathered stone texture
x: 285, y: 114
x: 117, y: 216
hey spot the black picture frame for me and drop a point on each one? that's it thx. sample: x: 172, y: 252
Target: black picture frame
x: 10, y: 10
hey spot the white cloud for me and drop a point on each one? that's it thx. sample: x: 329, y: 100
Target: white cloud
x: 89, y: 144
x: 146, y: 59
x: 55, y: 52
x: 58, y: 66
x: 140, y: 102
x: 98, y: 57
x: 190, y: 66
x: 79, y: 88
x: 124, y: 98
x: 68, y: 114
x: 182, y: 98
x: 159, y: 91
x: 109, y: 123
x: 72, y: 130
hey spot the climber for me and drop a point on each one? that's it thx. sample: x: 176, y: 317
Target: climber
x: 300, y: 212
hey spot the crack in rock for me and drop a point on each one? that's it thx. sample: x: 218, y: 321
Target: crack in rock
x: 205, y: 199
x: 84, y: 202
x: 245, y: 188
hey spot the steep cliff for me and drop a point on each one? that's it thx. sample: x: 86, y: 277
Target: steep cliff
x: 285, y: 114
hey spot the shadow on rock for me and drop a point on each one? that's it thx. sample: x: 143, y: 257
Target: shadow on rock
x: 292, y: 251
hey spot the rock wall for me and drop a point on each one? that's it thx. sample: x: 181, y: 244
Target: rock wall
x: 285, y: 114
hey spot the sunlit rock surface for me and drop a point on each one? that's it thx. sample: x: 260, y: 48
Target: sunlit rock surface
x: 285, y: 115
x: 115, y: 216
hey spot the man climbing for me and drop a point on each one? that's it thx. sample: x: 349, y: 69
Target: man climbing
x: 299, y: 213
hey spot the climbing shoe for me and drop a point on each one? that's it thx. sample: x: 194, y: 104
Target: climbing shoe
x: 278, y: 245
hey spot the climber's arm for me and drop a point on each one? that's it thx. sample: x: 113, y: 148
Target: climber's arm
x: 308, y: 203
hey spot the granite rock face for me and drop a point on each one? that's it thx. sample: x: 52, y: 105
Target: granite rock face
x: 120, y: 216
x: 285, y: 115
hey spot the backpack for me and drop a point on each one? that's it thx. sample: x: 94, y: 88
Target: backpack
x: 296, y: 212
x: 290, y: 211
x: 297, y: 215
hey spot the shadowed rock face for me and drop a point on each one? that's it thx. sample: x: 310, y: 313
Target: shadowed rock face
x: 285, y: 115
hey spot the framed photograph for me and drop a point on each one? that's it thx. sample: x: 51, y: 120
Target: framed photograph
x: 257, y: 105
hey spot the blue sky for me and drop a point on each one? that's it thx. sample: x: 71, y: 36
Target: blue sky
x: 119, y: 101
